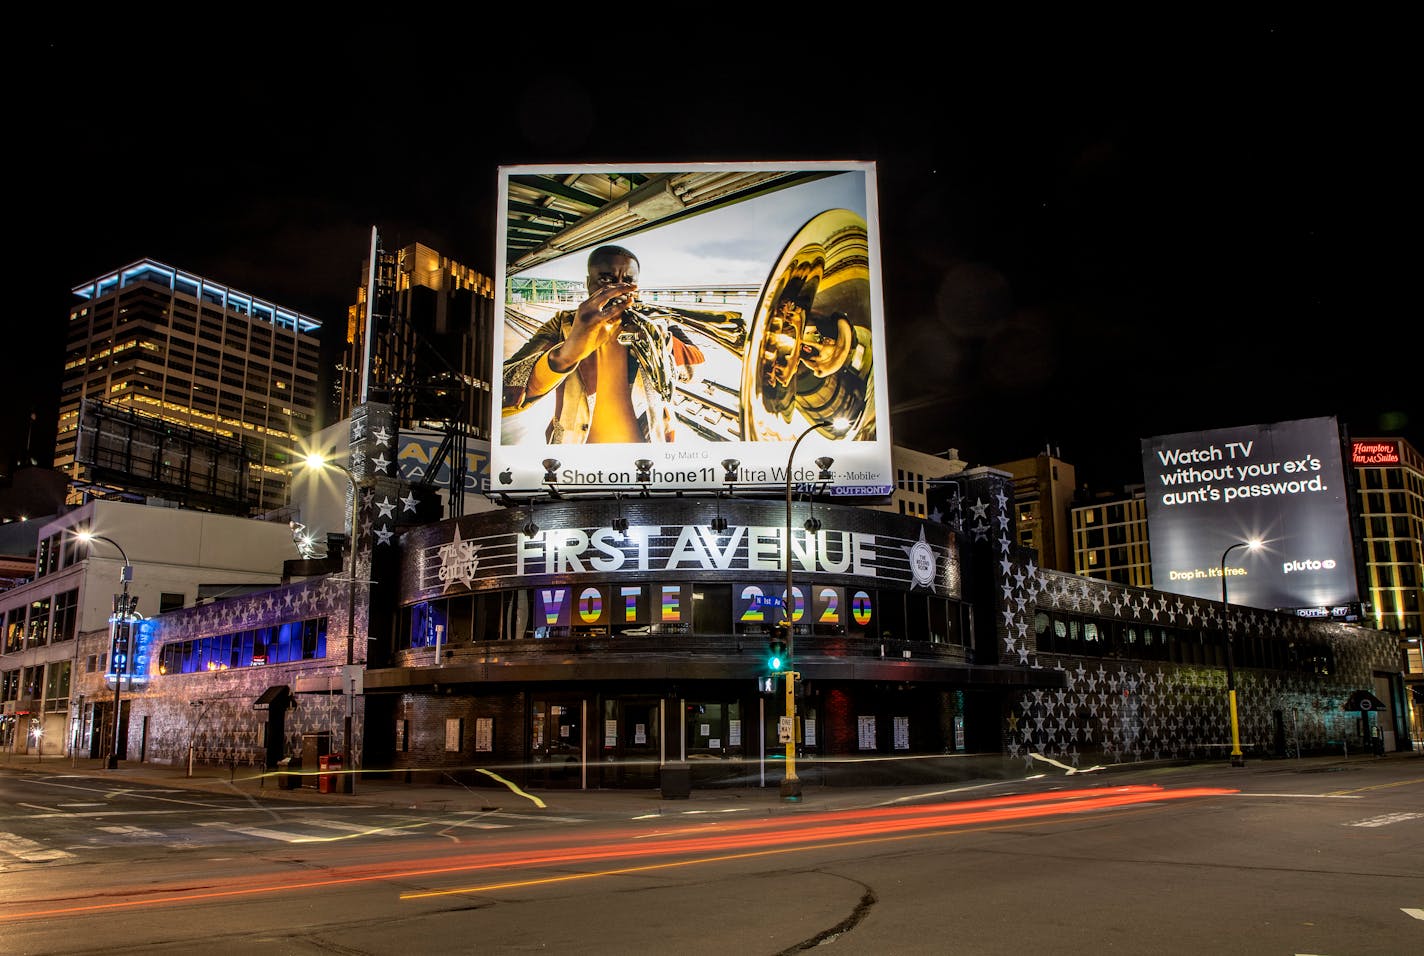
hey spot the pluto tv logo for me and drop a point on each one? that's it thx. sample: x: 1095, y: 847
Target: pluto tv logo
x: 1307, y: 564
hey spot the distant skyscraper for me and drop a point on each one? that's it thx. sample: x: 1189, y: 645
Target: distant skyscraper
x: 178, y: 387
x: 431, y: 340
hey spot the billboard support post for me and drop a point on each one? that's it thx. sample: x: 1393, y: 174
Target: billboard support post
x: 1237, y: 759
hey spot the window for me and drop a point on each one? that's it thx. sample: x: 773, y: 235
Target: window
x: 303, y: 640
x: 66, y: 615
x: 57, y: 687
x: 39, y: 623
x: 15, y: 630
x: 167, y: 601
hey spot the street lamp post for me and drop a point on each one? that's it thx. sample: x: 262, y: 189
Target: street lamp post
x: 1237, y: 759
x: 120, y: 623
x: 317, y: 462
x: 791, y: 784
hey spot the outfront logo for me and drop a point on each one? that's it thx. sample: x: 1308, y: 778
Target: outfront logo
x: 1307, y: 564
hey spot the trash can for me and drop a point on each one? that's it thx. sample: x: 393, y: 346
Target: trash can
x: 676, y: 781
x: 327, y: 781
x: 289, y: 773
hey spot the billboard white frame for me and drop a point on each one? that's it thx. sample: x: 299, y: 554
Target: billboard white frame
x: 726, y: 257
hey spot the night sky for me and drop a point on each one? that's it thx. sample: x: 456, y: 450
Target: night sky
x: 1092, y: 232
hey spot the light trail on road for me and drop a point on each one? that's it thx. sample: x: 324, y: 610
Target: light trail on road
x: 724, y: 839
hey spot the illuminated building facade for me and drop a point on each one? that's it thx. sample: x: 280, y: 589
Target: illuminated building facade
x: 1110, y: 539
x: 56, y: 692
x: 1389, y: 478
x: 589, y: 641
x: 430, y: 337
x: 1389, y: 475
x: 177, y: 366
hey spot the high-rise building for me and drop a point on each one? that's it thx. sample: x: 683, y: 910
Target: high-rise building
x: 430, y: 339
x: 1110, y: 538
x: 425, y: 351
x: 1043, y: 491
x: 1389, y: 476
x: 180, y: 388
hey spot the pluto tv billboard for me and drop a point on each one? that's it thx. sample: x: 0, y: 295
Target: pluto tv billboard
x: 1282, y: 484
x: 671, y: 326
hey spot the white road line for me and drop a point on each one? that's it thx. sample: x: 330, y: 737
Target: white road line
x: 280, y: 836
x: 353, y: 827
x: 1386, y: 820
x: 534, y: 816
x: 472, y: 825
x: 132, y: 831
x: 29, y: 851
x: 1417, y: 914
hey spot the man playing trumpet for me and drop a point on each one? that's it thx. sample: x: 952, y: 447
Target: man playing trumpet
x: 609, y: 367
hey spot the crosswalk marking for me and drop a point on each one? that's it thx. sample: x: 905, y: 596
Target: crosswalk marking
x: 353, y: 827
x: 474, y: 824
x: 280, y: 836
x: 503, y: 815
x: 133, y: 831
x: 29, y: 851
x: 1386, y: 820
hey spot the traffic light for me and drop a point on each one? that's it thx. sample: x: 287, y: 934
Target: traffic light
x: 776, y: 659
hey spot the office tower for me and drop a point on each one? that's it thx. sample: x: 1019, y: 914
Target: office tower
x: 1110, y: 538
x: 430, y: 340
x: 181, y: 389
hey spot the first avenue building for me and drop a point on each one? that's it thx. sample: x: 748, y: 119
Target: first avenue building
x: 558, y: 640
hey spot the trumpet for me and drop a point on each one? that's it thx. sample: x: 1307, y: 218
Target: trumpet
x: 646, y: 334
x: 650, y: 343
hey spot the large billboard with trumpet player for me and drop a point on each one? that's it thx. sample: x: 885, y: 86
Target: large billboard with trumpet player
x: 685, y: 326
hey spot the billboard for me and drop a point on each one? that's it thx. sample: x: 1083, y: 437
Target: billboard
x: 683, y: 317
x: 1281, y: 484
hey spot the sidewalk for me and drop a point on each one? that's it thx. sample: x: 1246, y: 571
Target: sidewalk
x: 373, y: 791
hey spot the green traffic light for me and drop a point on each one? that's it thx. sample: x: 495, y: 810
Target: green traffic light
x: 774, y: 663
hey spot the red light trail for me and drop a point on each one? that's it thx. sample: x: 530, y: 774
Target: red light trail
x: 730, y: 838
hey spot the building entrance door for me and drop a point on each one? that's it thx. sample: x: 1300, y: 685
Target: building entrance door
x: 556, y: 742
x: 632, y: 737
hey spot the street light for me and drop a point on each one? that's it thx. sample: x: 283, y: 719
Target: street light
x: 316, y: 462
x: 1237, y: 759
x: 791, y: 784
x: 121, y: 619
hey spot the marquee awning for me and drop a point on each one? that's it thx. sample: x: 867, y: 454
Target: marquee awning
x: 275, y: 696
x: 1363, y: 700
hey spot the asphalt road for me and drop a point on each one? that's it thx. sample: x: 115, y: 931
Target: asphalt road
x: 1327, y: 860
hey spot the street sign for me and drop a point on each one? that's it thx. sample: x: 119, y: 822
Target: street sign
x: 783, y: 730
